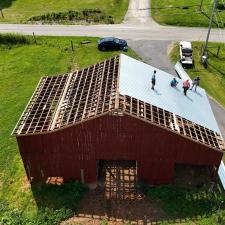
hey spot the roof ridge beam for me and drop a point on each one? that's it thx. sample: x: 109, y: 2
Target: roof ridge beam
x: 117, y: 98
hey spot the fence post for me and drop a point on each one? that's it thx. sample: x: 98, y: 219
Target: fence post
x: 218, y: 51
x: 2, y: 13
x: 72, y: 45
x: 200, y: 6
x: 35, y: 41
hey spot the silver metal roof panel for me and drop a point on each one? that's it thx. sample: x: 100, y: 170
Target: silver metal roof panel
x: 135, y: 81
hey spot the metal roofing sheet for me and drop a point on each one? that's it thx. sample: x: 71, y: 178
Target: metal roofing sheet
x: 181, y: 72
x: 221, y: 173
x: 135, y: 81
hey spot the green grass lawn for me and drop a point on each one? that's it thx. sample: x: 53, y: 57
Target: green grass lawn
x: 212, y: 78
x: 18, y: 11
x: 21, y: 67
x: 173, y: 12
x: 190, y: 206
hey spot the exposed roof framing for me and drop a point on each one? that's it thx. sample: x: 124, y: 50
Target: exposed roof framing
x: 168, y: 120
x: 65, y: 100
x: 92, y: 91
x: 39, y: 112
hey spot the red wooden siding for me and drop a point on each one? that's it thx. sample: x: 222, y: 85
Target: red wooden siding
x: 65, y: 152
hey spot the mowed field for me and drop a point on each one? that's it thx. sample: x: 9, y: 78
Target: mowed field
x: 19, y: 11
x: 185, y: 13
x: 21, y: 67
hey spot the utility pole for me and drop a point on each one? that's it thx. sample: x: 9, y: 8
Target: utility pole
x: 2, y: 13
x: 204, y: 55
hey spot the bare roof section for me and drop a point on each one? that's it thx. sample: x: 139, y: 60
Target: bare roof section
x: 67, y: 99
x: 119, y: 86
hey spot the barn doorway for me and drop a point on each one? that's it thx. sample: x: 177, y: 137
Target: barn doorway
x: 119, y: 178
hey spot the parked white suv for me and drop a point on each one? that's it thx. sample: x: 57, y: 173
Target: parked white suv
x: 186, y: 56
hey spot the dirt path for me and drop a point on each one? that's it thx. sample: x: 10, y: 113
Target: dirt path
x: 118, y: 200
x: 139, y: 13
x: 94, y: 209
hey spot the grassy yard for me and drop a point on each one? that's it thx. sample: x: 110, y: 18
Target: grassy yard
x: 19, y: 11
x: 185, y: 13
x: 21, y: 67
x: 195, y: 206
x: 212, y: 78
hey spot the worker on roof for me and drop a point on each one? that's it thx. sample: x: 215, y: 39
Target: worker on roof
x: 186, y: 86
x: 195, y: 83
x: 153, y: 79
x: 173, y: 82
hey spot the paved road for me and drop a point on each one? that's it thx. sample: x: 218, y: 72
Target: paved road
x: 127, y: 31
x: 137, y: 25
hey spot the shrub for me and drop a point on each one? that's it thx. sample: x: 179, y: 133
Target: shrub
x: 143, y: 186
x: 55, y: 203
x: 67, y: 195
x: 181, y: 201
x: 87, y: 15
x: 14, y: 39
x: 221, y: 6
x: 45, y: 216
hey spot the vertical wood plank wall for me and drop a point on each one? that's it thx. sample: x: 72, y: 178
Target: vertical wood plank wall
x: 65, y: 152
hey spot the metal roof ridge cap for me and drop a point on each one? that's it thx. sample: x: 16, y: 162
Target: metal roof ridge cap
x: 118, y: 83
x: 61, y: 100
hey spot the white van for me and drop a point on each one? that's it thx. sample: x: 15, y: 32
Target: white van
x: 186, y: 56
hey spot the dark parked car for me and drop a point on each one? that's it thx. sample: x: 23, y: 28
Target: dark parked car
x: 111, y: 43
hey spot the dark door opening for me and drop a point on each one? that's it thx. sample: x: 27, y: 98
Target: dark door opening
x: 119, y: 178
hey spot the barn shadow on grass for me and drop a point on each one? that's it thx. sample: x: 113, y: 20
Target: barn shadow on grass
x: 162, y: 204
x: 6, y: 4
x: 146, y: 205
x: 58, y: 196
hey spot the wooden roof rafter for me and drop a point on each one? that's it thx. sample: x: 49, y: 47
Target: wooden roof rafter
x: 172, y: 122
x: 38, y: 113
x: 62, y: 100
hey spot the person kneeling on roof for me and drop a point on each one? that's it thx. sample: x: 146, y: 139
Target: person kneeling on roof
x: 173, y: 82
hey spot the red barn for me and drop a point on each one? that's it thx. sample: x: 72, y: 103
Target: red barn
x: 108, y: 111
